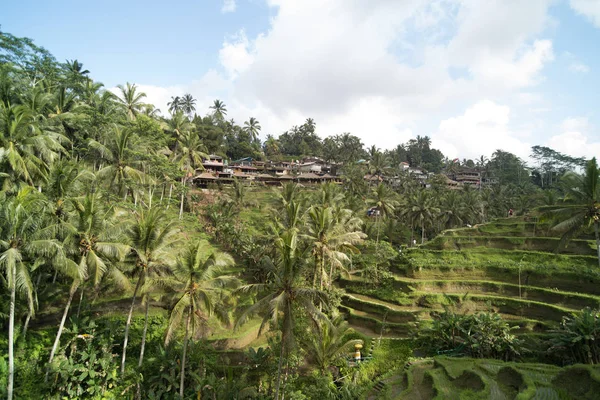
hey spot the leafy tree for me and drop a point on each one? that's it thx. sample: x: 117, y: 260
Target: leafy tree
x: 122, y: 168
x: 330, y: 342
x: 131, y: 100
x: 199, y: 279
x: 25, y: 150
x: 581, y: 207
x: 252, y: 127
x: 577, y: 338
x: 219, y: 110
x: 151, y: 239
x: 188, y: 104
x: 285, y: 295
x: 421, y: 209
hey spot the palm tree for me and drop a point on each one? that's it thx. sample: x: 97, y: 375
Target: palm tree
x: 20, y: 218
x: 188, y: 104
x: 581, y: 207
x: 271, y: 146
x: 121, y: 168
x: 286, y: 294
x: 252, y: 127
x: 201, y: 276
x: 190, y: 153
x: 332, y: 232
x: 25, y: 149
x: 98, y: 243
x: 452, y: 210
x: 219, y: 110
x: 330, y: 342
x: 151, y: 239
x: 421, y: 209
x: 131, y: 100
x: 23, y: 244
x: 178, y: 124
x: 384, y: 199
x: 175, y: 105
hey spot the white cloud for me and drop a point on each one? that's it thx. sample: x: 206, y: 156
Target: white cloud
x: 575, y: 139
x: 579, y: 68
x: 235, y: 56
x: 482, y: 129
x: 588, y: 8
x: 228, y: 6
x: 380, y: 69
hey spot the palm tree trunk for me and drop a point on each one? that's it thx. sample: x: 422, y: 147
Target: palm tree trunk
x: 185, y: 344
x: 26, y: 325
x: 128, y: 324
x: 597, y: 233
x: 422, y: 232
x: 170, y: 193
x: 11, y: 334
x: 143, y: 346
x: 182, y: 197
x: 280, y: 364
x: 80, y: 301
x: 72, y: 292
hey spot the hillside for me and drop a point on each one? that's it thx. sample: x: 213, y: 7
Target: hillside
x: 506, y: 266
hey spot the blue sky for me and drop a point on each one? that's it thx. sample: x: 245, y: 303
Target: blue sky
x: 474, y: 75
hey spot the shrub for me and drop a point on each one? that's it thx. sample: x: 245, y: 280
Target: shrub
x: 577, y: 339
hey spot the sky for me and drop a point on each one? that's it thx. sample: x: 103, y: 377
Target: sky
x: 474, y: 75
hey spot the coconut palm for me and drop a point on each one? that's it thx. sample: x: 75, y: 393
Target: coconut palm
x: 333, y: 231
x: 252, y: 127
x: 285, y: 294
x: 131, y: 100
x: 178, y: 124
x: 200, y: 278
x: 26, y: 150
x: 219, y: 110
x: 175, y: 105
x: 98, y: 244
x: 121, y: 168
x: 330, y: 342
x: 421, y: 209
x: 151, y: 239
x: 581, y: 207
x: 189, y: 155
x: 23, y: 247
x: 452, y: 210
x: 271, y: 146
x: 188, y: 104
x: 384, y: 198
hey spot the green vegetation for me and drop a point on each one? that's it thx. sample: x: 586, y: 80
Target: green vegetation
x: 121, y: 278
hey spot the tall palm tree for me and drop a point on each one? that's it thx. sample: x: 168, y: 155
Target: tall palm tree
x: 271, y: 146
x: 26, y: 150
x: 99, y: 245
x: 151, y: 240
x: 175, y: 105
x: 178, y: 124
x: 189, y: 155
x: 252, y: 127
x: 581, y: 207
x: 285, y: 294
x: 219, y: 110
x: 131, y: 100
x: 188, y: 104
x: 21, y: 247
x: 421, y: 209
x: 200, y: 278
x: 121, y: 168
x: 452, y: 210
x: 333, y: 231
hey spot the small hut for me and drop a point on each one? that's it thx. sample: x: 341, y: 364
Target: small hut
x: 309, y: 178
x: 204, y: 179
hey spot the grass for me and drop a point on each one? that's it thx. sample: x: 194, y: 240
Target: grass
x: 466, y: 378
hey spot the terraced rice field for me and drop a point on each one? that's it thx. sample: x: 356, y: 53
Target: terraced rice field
x: 464, y: 378
x: 509, y: 266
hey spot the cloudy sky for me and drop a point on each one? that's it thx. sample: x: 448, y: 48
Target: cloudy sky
x: 474, y: 75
